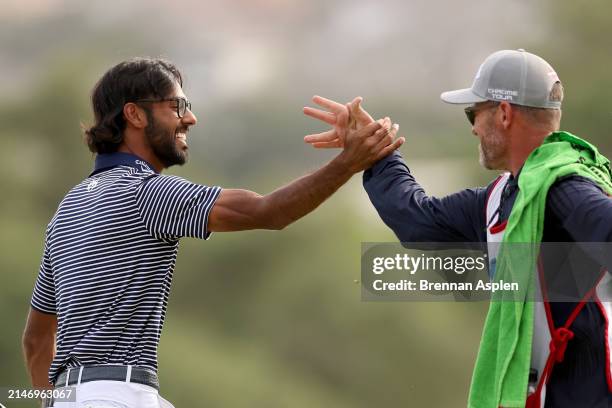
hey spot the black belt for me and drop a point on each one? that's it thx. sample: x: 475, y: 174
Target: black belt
x: 108, y: 373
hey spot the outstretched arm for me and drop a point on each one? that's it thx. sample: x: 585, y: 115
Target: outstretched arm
x: 414, y: 216
x: 237, y: 210
x: 400, y: 201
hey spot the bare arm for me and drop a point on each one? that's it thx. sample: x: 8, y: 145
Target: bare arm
x: 39, y: 346
x: 237, y: 210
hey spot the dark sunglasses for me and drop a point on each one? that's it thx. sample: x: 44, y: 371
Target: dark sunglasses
x: 182, y: 104
x: 471, y: 111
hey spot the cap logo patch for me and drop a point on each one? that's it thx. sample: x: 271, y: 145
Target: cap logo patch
x: 502, y: 94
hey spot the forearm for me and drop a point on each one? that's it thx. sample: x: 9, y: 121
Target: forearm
x: 38, y: 356
x: 398, y: 198
x: 239, y: 210
x: 413, y: 216
x: 295, y: 200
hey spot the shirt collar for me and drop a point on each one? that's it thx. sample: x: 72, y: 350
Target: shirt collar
x: 107, y: 161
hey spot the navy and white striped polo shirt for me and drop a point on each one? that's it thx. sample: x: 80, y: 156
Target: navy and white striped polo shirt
x: 110, y: 251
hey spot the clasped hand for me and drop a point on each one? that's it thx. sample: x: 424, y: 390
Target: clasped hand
x: 364, y: 140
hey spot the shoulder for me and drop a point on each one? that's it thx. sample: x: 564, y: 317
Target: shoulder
x: 571, y: 191
x: 156, y: 181
x: 574, y: 188
x: 171, y: 189
x: 575, y: 183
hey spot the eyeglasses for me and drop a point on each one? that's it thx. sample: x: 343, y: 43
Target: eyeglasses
x: 471, y: 111
x: 182, y: 104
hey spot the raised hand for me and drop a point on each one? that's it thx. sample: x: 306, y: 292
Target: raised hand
x: 358, y: 117
x: 336, y: 115
x: 340, y: 117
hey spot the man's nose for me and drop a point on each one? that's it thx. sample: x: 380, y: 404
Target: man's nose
x: 189, y: 118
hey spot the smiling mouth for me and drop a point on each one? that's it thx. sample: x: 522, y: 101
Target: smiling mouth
x: 182, y: 136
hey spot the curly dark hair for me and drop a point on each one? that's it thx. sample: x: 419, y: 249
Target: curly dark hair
x: 128, y: 81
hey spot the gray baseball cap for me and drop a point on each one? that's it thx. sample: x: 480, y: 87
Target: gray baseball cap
x: 518, y: 77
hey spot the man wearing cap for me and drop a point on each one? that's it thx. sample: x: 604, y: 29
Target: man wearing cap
x: 553, y: 189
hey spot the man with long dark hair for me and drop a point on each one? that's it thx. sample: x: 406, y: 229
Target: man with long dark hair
x: 100, y: 298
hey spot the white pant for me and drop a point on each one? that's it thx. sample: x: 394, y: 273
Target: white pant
x: 115, y: 394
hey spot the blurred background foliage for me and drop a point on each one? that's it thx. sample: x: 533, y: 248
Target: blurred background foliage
x: 274, y: 319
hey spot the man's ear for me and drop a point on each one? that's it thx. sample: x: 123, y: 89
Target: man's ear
x: 135, y: 116
x: 507, y: 114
